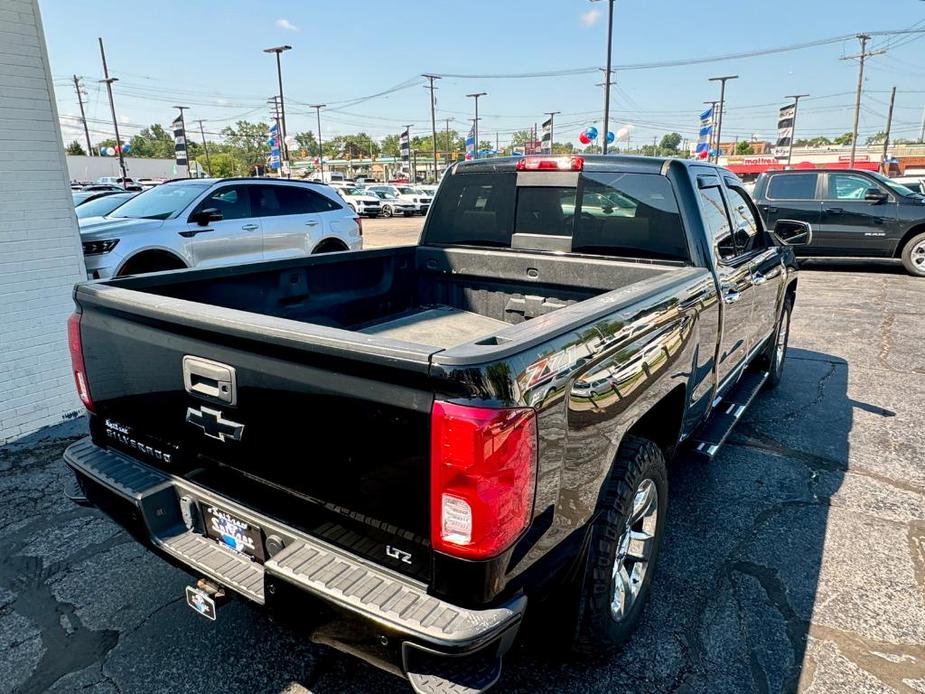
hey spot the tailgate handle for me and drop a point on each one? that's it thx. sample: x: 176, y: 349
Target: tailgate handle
x: 210, y: 380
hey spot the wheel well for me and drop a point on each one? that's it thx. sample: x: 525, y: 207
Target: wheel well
x: 662, y: 424
x: 330, y: 246
x: 151, y: 261
x: 792, y: 289
x: 914, y: 231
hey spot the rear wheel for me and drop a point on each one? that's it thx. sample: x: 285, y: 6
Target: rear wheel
x: 151, y: 262
x: 625, y: 541
x: 777, y: 347
x: 329, y: 246
x: 386, y: 210
x: 913, y: 255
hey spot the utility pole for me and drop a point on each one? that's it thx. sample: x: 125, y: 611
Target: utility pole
x: 318, y: 108
x: 476, y: 121
x: 449, y: 145
x: 107, y: 80
x: 433, y: 117
x: 552, y: 115
x: 793, y: 127
x: 889, y: 126
x: 284, y: 150
x: 607, y: 74
x: 83, y: 117
x: 722, y: 105
x: 189, y: 171
x: 205, y: 146
x: 862, y: 56
x: 922, y: 136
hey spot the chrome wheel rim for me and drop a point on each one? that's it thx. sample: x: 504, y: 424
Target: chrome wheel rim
x: 781, y: 347
x: 918, y: 256
x: 634, y: 551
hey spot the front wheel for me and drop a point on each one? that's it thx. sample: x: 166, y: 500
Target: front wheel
x: 913, y: 256
x: 625, y: 541
x: 386, y: 210
x: 777, y: 348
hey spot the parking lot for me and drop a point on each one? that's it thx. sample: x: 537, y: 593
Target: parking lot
x: 795, y: 560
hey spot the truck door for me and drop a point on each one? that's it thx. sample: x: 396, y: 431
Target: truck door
x: 793, y: 196
x: 236, y: 238
x: 734, y: 270
x: 852, y: 224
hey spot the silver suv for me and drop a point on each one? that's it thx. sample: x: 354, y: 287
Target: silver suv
x: 209, y: 222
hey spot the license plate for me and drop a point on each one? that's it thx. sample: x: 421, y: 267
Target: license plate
x: 200, y: 601
x: 238, y: 535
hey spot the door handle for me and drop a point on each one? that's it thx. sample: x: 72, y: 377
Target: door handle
x: 312, y: 223
x: 730, y: 296
x: 836, y: 210
x: 758, y: 279
x: 772, y: 209
x: 250, y: 227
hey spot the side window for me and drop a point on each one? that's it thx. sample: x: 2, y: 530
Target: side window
x: 320, y: 203
x: 717, y: 222
x: 232, y: 201
x: 744, y: 220
x: 800, y: 186
x: 848, y: 186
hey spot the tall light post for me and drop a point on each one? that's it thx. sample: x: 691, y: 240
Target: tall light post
x: 475, y: 127
x: 722, y: 103
x: 793, y: 126
x: 607, y: 73
x: 112, y: 108
x: 318, y: 108
x: 205, y: 146
x: 278, y: 50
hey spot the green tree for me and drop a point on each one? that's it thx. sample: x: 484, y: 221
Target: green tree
x: 820, y: 141
x: 75, y: 148
x: 389, y: 146
x: 249, y: 143
x: 307, y: 142
x: 670, y: 142
x: 562, y: 148
x: 876, y: 139
x: 844, y: 139
x: 220, y: 164
x: 744, y: 147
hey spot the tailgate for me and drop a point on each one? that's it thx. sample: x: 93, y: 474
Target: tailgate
x: 333, y: 445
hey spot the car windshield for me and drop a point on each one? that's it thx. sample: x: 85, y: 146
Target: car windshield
x: 354, y: 191
x: 383, y: 195
x: 102, y: 206
x: 895, y: 187
x: 82, y: 195
x: 161, y: 202
x: 407, y: 190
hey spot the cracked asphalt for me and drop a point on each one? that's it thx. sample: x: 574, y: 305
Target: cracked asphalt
x: 795, y: 561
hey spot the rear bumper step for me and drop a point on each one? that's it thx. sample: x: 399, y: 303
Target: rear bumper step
x: 148, y: 501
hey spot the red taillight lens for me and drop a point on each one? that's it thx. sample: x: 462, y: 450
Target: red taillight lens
x: 77, y: 361
x: 551, y: 164
x: 359, y: 221
x: 483, y: 475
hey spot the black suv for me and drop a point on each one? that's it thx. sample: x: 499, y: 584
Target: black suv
x: 853, y: 213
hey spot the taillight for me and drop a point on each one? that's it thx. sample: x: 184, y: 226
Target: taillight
x: 483, y: 476
x: 359, y: 221
x: 77, y: 361
x: 551, y: 164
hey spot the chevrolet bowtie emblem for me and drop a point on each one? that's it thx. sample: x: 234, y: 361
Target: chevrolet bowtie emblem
x: 213, y: 424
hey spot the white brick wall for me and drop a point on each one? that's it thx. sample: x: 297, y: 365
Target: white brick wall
x: 40, y: 256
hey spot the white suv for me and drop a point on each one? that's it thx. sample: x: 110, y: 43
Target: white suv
x: 409, y: 194
x: 209, y: 222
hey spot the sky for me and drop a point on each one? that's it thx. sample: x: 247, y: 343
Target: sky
x: 208, y: 56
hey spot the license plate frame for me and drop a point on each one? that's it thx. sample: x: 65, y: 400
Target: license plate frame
x: 230, y: 531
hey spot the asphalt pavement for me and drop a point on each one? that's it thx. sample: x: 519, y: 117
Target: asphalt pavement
x: 796, y: 560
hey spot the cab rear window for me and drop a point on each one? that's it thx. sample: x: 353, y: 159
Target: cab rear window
x: 792, y: 187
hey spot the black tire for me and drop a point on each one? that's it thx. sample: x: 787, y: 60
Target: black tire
x: 329, y: 246
x: 596, y: 630
x: 913, y: 255
x: 409, y: 214
x: 386, y: 210
x: 777, y: 358
x: 150, y: 262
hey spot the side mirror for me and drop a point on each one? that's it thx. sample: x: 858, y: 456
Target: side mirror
x: 875, y: 195
x: 792, y: 232
x: 207, y: 216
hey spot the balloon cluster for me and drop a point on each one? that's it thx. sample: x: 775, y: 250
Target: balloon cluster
x: 125, y: 148
x: 588, y: 135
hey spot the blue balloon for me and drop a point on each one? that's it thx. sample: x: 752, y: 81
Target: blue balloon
x: 610, y: 137
x: 126, y: 148
x: 592, y: 132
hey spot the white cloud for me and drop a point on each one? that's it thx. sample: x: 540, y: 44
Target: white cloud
x: 590, y: 17
x: 287, y: 25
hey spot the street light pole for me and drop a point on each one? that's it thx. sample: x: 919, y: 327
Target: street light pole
x: 607, y: 73
x: 205, y: 146
x: 318, y: 108
x: 282, y: 108
x: 722, y: 104
x: 189, y: 173
x: 112, y: 108
x: 476, y: 122
x: 793, y: 127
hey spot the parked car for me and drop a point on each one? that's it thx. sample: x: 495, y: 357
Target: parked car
x: 392, y: 205
x: 914, y: 183
x: 363, y: 203
x: 101, y: 205
x: 209, y: 222
x: 126, y: 183
x: 102, y: 187
x: 81, y: 197
x: 441, y: 505
x: 409, y: 194
x: 853, y: 213
x: 146, y: 183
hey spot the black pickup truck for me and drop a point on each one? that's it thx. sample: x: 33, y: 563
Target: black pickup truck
x: 422, y: 441
x: 853, y: 213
